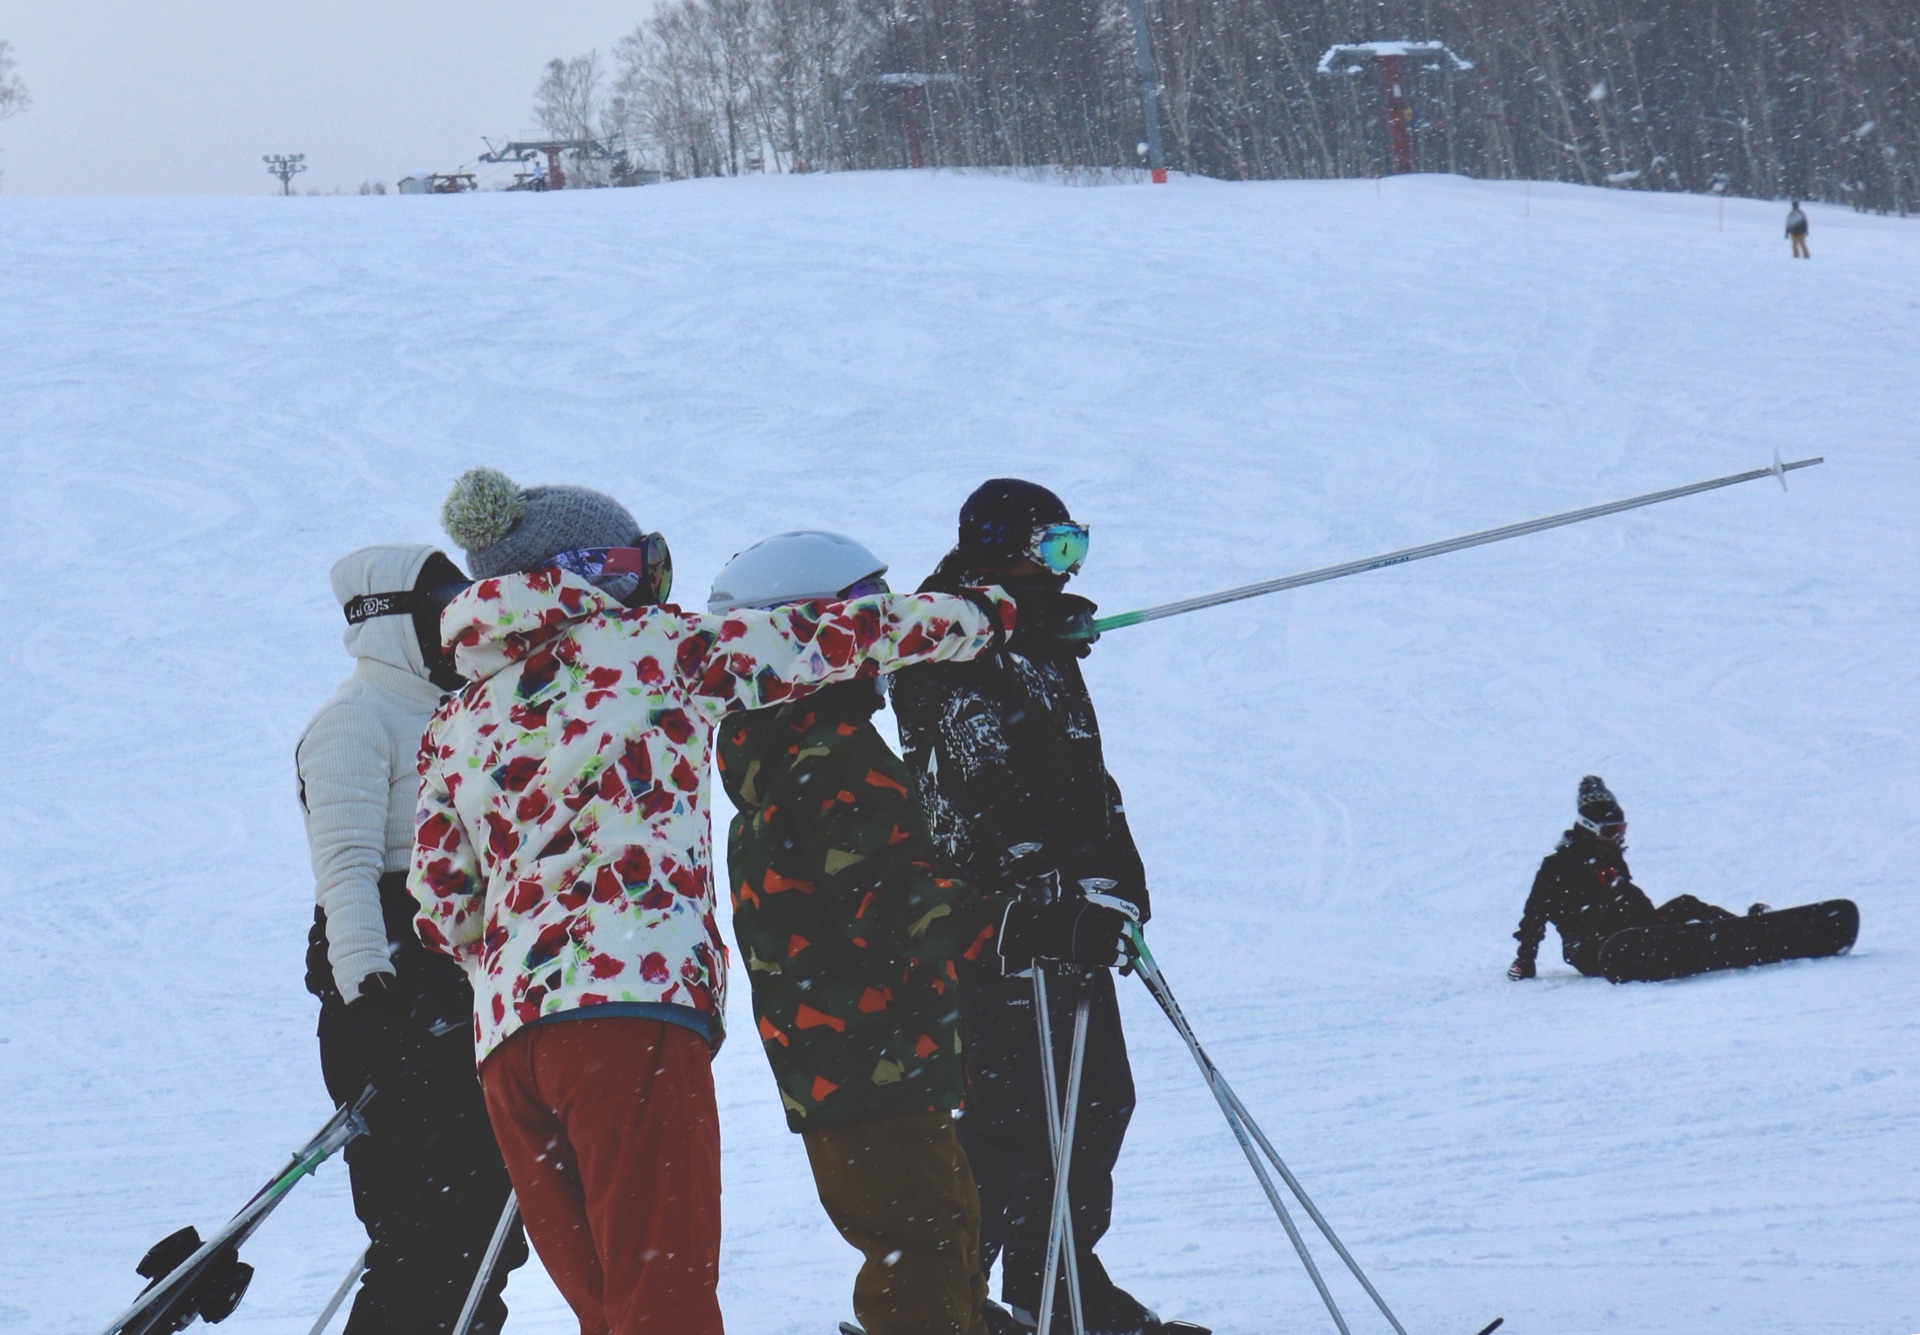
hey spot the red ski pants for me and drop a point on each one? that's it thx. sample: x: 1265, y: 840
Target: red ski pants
x: 612, y: 1138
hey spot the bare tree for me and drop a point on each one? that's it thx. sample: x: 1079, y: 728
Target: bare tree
x: 569, y: 105
x: 13, y: 93
x: 567, y: 102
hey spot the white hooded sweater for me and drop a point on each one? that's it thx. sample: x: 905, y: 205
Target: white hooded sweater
x: 358, y: 765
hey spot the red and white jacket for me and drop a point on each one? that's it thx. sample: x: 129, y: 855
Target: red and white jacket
x: 562, y: 850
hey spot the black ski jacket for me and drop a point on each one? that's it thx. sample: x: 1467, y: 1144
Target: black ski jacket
x: 1583, y: 888
x: 1004, y: 753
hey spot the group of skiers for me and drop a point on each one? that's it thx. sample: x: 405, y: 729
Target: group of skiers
x: 506, y: 805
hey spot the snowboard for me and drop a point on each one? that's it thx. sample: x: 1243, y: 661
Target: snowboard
x: 1682, y: 949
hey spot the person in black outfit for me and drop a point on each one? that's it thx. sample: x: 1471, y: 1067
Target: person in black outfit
x: 428, y: 1181
x: 1584, y: 889
x: 1005, y: 756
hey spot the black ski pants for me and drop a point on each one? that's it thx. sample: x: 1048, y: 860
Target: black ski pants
x: 427, y: 1178
x: 1004, y: 1131
x: 1584, y: 953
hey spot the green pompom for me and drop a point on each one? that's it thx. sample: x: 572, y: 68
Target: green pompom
x: 482, y: 508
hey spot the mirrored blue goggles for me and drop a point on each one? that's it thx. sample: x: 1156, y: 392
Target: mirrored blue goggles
x: 1061, y: 548
x: 648, y: 560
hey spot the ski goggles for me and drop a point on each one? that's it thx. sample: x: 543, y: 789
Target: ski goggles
x: 1061, y: 548
x: 431, y: 601
x: 1615, y: 830
x: 865, y: 588
x: 648, y: 560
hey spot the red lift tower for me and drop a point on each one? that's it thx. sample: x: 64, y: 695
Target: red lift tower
x: 1391, y: 57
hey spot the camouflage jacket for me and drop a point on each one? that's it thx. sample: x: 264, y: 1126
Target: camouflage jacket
x: 849, y: 931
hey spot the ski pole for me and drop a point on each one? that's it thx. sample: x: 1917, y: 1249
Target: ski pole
x: 1060, y: 1225
x: 343, y: 1126
x: 1306, y: 1202
x: 1059, y: 1136
x: 357, y: 1269
x: 1160, y: 611
x: 1157, y: 984
x: 484, y: 1275
x: 1157, y: 987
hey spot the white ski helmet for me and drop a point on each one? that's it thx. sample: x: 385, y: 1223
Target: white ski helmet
x: 797, y: 567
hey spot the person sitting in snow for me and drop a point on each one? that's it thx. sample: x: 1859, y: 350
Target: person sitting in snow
x: 1584, y: 889
x: 852, y: 932
x: 562, y: 854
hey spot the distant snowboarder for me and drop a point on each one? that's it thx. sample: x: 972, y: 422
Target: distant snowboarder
x: 428, y: 1181
x: 1585, y: 890
x: 1797, y: 232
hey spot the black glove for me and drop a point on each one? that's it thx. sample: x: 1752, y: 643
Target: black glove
x: 373, y: 1022
x: 1521, y: 968
x: 1069, y: 931
x: 1048, y: 621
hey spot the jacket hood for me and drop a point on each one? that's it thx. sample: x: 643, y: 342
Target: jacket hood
x: 385, y: 568
x: 500, y: 621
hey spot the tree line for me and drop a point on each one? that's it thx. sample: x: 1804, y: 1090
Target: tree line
x: 1815, y: 98
x: 13, y: 93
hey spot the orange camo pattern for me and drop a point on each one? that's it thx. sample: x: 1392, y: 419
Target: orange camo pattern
x: 848, y: 928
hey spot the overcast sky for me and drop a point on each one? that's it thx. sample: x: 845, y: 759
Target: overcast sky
x: 184, y: 96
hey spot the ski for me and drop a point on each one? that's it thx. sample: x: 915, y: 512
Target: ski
x: 194, y: 1279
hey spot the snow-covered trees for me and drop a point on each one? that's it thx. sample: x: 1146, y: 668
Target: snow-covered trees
x: 1819, y: 98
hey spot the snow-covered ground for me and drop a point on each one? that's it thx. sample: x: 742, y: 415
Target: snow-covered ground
x: 1341, y: 793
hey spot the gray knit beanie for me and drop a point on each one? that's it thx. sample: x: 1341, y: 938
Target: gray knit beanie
x: 505, y: 530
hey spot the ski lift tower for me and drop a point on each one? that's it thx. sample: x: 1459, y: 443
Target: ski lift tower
x: 1391, y: 57
x: 286, y: 166
x: 528, y: 150
x: 908, y: 82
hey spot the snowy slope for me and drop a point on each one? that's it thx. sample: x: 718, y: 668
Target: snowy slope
x: 1341, y: 793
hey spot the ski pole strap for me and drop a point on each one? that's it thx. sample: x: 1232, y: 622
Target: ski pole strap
x: 1156, y: 613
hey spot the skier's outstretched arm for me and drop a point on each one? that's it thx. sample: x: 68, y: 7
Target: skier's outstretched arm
x: 749, y: 659
x: 445, y: 879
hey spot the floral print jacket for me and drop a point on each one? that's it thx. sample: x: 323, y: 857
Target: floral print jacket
x: 562, y: 850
